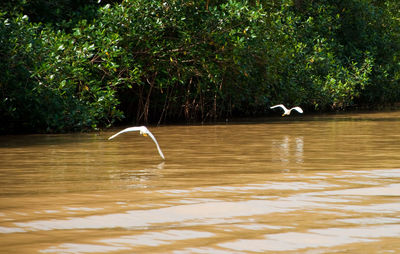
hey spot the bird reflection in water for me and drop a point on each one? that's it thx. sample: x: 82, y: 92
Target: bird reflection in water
x: 138, y: 178
x: 290, y: 150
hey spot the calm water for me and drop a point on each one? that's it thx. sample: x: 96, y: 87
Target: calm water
x: 291, y: 185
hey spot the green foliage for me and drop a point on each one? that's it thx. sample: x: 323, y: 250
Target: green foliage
x: 48, y: 84
x: 194, y: 60
x: 58, y: 13
x: 18, y: 104
x: 336, y: 53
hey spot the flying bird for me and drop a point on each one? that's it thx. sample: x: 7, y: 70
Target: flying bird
x: 143, y: 131
x: 287, y: 111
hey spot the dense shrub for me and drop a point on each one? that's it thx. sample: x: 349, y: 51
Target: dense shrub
x: 17, y: 41
x: 157, y: 61
x: 47, y: 83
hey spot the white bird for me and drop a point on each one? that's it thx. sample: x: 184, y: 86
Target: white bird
x: 143, y: 131
x: 287, y: 111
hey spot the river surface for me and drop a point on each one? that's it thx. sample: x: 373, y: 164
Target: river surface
x: 298, y: 184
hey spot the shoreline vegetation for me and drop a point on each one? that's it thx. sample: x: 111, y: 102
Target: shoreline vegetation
x: 75, y: 65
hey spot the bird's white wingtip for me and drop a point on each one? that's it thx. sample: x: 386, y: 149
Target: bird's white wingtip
x: 300, y: 110
x: 278, y: 105
x: 113, y: 136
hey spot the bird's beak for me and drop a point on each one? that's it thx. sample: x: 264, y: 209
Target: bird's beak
x: 283, y: 115
x: 144, y: 134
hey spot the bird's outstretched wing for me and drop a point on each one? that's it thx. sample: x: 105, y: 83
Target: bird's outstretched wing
x: 298, y: 109
x: 155, y: 141
x: 280, y: 105
x: 143, y: 129
x: 126, y: 130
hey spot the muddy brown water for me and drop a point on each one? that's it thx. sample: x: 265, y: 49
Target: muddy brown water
x: 312, y: 184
